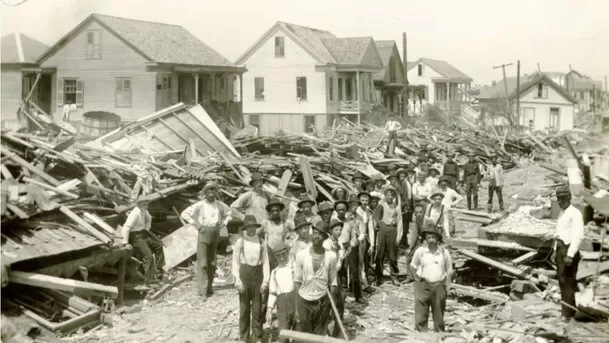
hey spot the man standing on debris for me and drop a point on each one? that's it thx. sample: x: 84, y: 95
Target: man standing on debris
x: 357, y: 227
x: 432, y: 266
x: 366, y: 245
x: 391, y: 129
x: 275, y: 229
x: 254, y: 201
x: 136, y: 231
x: 208, y: 216
x: 358, y: 180
x: 305, y: 206
x: 314, y: 275
x: 421, y: 190
x: 251, y: 272
x: 569, y: 235
x: 406, y: 200
x: 450, y: 170
x: 436, y: 212
x: 415, y: 238
x: 389, y: 216
x: 495, y: 173
x: 471, y: 173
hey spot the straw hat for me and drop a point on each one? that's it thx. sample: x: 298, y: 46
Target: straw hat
x: 324, y: 206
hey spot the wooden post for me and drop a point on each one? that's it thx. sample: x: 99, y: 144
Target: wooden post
x: 359, y: 97
x: 518, y: 94
x: 507, y: 95
x: 405, y: 92
x: 213, y: 86
x: 196, y: 76
x: 241, y: 98
x: 122, y: 268
x: 448, y: 98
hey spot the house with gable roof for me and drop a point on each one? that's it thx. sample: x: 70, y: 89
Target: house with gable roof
x: 300, y: 78
x: 133, y: 68
x: 19, y: 69
x: 389, y: 82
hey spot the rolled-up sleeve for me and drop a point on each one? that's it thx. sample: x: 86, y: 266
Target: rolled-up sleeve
x: 187, y: 214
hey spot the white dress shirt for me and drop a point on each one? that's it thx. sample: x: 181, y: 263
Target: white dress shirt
x: 432, y: 266
x: 421, y: 191
x: 570, y: 229
x: 281, y: 282
x: 206, y: 214
x: 392, y: 125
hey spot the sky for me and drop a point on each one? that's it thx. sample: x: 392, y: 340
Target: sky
x: 472, y: 35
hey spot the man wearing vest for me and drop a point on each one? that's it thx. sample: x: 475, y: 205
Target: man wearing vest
x: 314, y: 276
x: 471, y: 173
x: 251, y: 272
x: 389, y: 216
x: 437, y: 213
x: 450, y: 170
x: 432, y: 266
x: 253, y: 201
x: 208, y: 216
x: 569, y: 235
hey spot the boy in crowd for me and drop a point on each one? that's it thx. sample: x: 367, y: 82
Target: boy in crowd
x: 281, y: 292
x: 388, y: 215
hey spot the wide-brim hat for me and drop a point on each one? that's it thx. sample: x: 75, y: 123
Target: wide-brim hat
x: 338, y: 202
x: 362, y: 193
x: 402, y: 171
x: 393, y: 173
x: 436, y: 170
x: 443, y: 178
x: 306, y: 199
x: 281, y: 248
x: 390, y: 188
x: 300, y: 221
x: 436, y: 192
x: 250, y: 221
x: 375, y: 195
x: 325, y: 206
x: 563, y: 191
x: 430, y: 228
x: 275, y: 202
x: 353, y: 198
x: 334, y: 222
x: 377, y: 177
x: 256, y: 177
x: 322, y: 227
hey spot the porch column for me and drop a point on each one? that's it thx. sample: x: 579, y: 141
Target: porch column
x: 359, y: 97
x: 196, y: 76
x: 213, y: 86
x: 448, y: 98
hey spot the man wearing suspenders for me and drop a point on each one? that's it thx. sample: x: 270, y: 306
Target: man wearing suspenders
x: 436, y: 212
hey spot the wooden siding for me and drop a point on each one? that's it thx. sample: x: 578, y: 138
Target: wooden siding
x: 271, y: 123
x: 280, y: 75
x: 425, y: 80
x: 99, y: 75
x: 11, y: 93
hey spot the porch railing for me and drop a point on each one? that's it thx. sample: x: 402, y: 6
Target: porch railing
x: 349, y: 106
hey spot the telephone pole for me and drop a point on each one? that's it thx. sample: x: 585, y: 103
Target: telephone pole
x: 518, y: 94
x: 405, y: 95
x: 507, y: 95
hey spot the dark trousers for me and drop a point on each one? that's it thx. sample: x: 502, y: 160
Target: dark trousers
x: 354, y: 273
x: 406, y: 219
x: 314, y: 315
x: 250, y: 302
x: 206, y: 261
x: 392, y: 141
x: 339, y: 298
x: 471, y: 188
x: 285, y: 313
x: 566, y: 277
x: 387, y: 247
x: 428, y: 295
x: 452, y: 181
x: 150, y: 250
x: 491, y: 191
x: 364, y: 260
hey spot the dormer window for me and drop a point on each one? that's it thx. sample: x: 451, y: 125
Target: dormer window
x: 93, y: 44
x: 542, y: 91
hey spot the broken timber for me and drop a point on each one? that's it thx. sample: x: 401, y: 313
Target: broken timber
x: 298, y: 336
x: 61, y: 284
x: 508, y: 269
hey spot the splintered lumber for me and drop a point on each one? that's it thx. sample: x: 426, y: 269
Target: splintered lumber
x: 524, y: 258
x: 298, y: 336
x: 16, y: 210
x: 307, y: 175
x: 25, y: 164
x: 479, y: 293
x: 283, y: 183
x: 61, y: 284
x: 180, y: 245
x: 594, y: 270
x: 78, y: 220
x: 100, y: 222
x: 51, y: 188
x: 508, y: 269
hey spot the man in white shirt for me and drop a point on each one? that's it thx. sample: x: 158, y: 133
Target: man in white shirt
x: 391, y: 128
x: 208, y: 216
x: 281, y: 292
x: 570, y: 233
x: 432, y: 266
x: 65, y: 112
x: 136, y: 231
x: 495, y: 173
x: 253, y: 201
x: 450, y: 200
x: 421, y: 190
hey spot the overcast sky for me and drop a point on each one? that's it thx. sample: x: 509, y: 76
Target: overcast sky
x: 472, y: 35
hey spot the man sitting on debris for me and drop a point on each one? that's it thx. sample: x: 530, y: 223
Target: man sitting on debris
x: 281, y: 292
x: 136, y: 231
x: 389, y: 216
x: 314, y: 275
x: 432, y: 266
x: 450, y: 170
x: 569, y: 235
x: 437, y: 213
x: 392, y: 126
x: 254, y: 201
x: 303, y: 241
x: 472, y: 175
x: 208, y: 216
x: 333, y: 244
x: 495, y: 173
x: 251, y: 272
x: 421, y: 189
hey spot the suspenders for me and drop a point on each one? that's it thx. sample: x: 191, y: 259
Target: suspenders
x: 441, y: 213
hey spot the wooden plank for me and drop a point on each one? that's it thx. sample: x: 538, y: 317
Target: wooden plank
x: 25, y: 164
x: 324, y: 192
x: 307, y: 175
x: 100, y: 222
x: 474, y: 213
x: 61, y: 284
x: 51, y: 188
x: 175, y: 132
x: 17, y: 211
x: 508, y: 269
x: 591, y: 271
x: 180, y: 245
x: 160, y: 194
x: 304, y: 337
x: 195, y: 132
x: 5, y: 172
x: 78, y: 220
x: 74, y: 323
x: 524, y: 258
x: 284, y: 182
x: 478, y: 293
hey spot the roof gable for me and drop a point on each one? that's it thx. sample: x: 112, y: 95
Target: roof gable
x: 498, y: 90
x: 19, y: 48
x: 354, y: 51
x: 387, y: 49
x: 442, y: 67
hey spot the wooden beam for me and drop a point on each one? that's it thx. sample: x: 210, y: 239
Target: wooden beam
x: 508, y: 269
x: 477, y: 293
x: 61, y: 284
x: 524, y: 258
x: 179, y: 135
x: 78, y: 220
x: 100, y: 222
x: 51, y: 188
x: 193, y: 130
x: 5, y: 172
x: 307, y: 175
x: 304, y: 337
x: 155, y: 136
x: 25, y: 164
x: 17, y: 211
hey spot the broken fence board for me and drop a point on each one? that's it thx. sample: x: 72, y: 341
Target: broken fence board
x: 61, y: 284
x: 180, y: 245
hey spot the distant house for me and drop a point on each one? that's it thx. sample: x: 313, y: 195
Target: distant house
x: 133, y: 68
x: 583, y: 88
x: 389, y: 82
x: 19, y: 68
x: 444, y: 85
x: 301, y: 78
x: 544, y: 105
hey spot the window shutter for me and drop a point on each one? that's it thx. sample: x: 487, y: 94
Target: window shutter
x: 80, y: 93
x: 59, y: 92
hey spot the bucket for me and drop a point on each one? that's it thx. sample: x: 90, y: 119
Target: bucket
x: 96, y: 124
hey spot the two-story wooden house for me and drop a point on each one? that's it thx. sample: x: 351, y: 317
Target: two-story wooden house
x: 133, y: 68
x: 301, y: 78
x: 389, y: 82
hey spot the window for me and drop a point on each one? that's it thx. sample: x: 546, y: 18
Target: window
x: 164, y: 82
x: 528, y: 117
x: 420, y: 70
x: 309, y: 123
x: 423, y: 94
x: 255, y: 120
x: 392, y: 70
x: 301, y: 88
x: 122, y: 95
x: 340, y: 88
x: 542, y: 91
x: 94, y: 44
x: 279, y: 46
x: 348, y: 89
x: 259, y: 88
x: 70, y: 91
x: 554, y: 118
x: 331, y: 88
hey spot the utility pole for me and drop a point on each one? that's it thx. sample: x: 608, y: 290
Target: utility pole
x: 405, y: 93
x: 518, y: 94
x: 507, y: 95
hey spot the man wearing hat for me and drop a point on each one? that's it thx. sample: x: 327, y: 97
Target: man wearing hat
x: 450, y: 170
x: 407, y: 201
x: 450, y: 200
x: 472, y: 175
x: 423, y: 153
x: 281, y: 291
x: 325, y: 209
x: 208, y: 216
x: 437, y: 213
x: 366, y: 244
x: 305, y: 206
x: 379, y: 183
x: 392, y: 126
x: 569, y: 235
x: 358, y: 180
x: 389, y: 216
x: 251, y: 273
x: 314, y: 275
x: 433, y: 163
x: 136, y: 231
x: 303, y: 240
x: 332, y: 243
x: 495, y: 173
x: 434, y: 177
x: 253, y: 201
x: 357, y: 227
x: 422, y: 165
x: 432, y: 266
